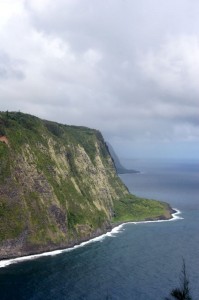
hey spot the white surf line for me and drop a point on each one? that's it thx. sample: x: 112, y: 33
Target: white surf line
x: 7, y: 262
x: 175, y: 217
x: 115, y: 230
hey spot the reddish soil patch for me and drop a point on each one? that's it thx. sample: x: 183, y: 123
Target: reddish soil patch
x: 4, y: 140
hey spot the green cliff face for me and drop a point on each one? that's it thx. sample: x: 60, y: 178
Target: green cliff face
x: 58, y: 186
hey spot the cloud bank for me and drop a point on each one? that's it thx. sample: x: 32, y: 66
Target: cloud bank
x: 129, y: 69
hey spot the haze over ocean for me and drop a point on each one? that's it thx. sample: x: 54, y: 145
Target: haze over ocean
x: 139, y: 262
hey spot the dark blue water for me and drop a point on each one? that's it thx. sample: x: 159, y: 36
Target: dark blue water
x: 141, y: 262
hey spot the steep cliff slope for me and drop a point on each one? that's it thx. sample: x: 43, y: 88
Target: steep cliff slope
x: 58, y: 186
x: 119, y: 167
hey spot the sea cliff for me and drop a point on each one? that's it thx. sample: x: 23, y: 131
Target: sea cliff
x: 59, y: 186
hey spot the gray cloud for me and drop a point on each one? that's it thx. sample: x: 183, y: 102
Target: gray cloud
x: 126, y: 67
x: 10, y: 69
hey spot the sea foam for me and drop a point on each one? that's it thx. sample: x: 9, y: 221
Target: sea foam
x: 112, y: 233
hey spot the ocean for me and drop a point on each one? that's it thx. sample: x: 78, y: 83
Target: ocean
x: 136, y: 261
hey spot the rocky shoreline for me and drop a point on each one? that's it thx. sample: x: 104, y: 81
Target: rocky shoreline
x: 53, y: 249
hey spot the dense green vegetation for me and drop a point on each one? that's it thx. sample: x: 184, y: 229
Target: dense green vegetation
x: 58, y: 185
x: 5, y: 162
x: 134, y: 208
x: 12, y: 221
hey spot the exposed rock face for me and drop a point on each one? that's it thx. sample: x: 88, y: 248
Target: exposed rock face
x: 57, y: 185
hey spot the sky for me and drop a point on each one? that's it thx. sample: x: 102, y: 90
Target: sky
x: 128, y: 68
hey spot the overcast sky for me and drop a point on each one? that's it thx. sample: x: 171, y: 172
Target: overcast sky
x: 128, y: 68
